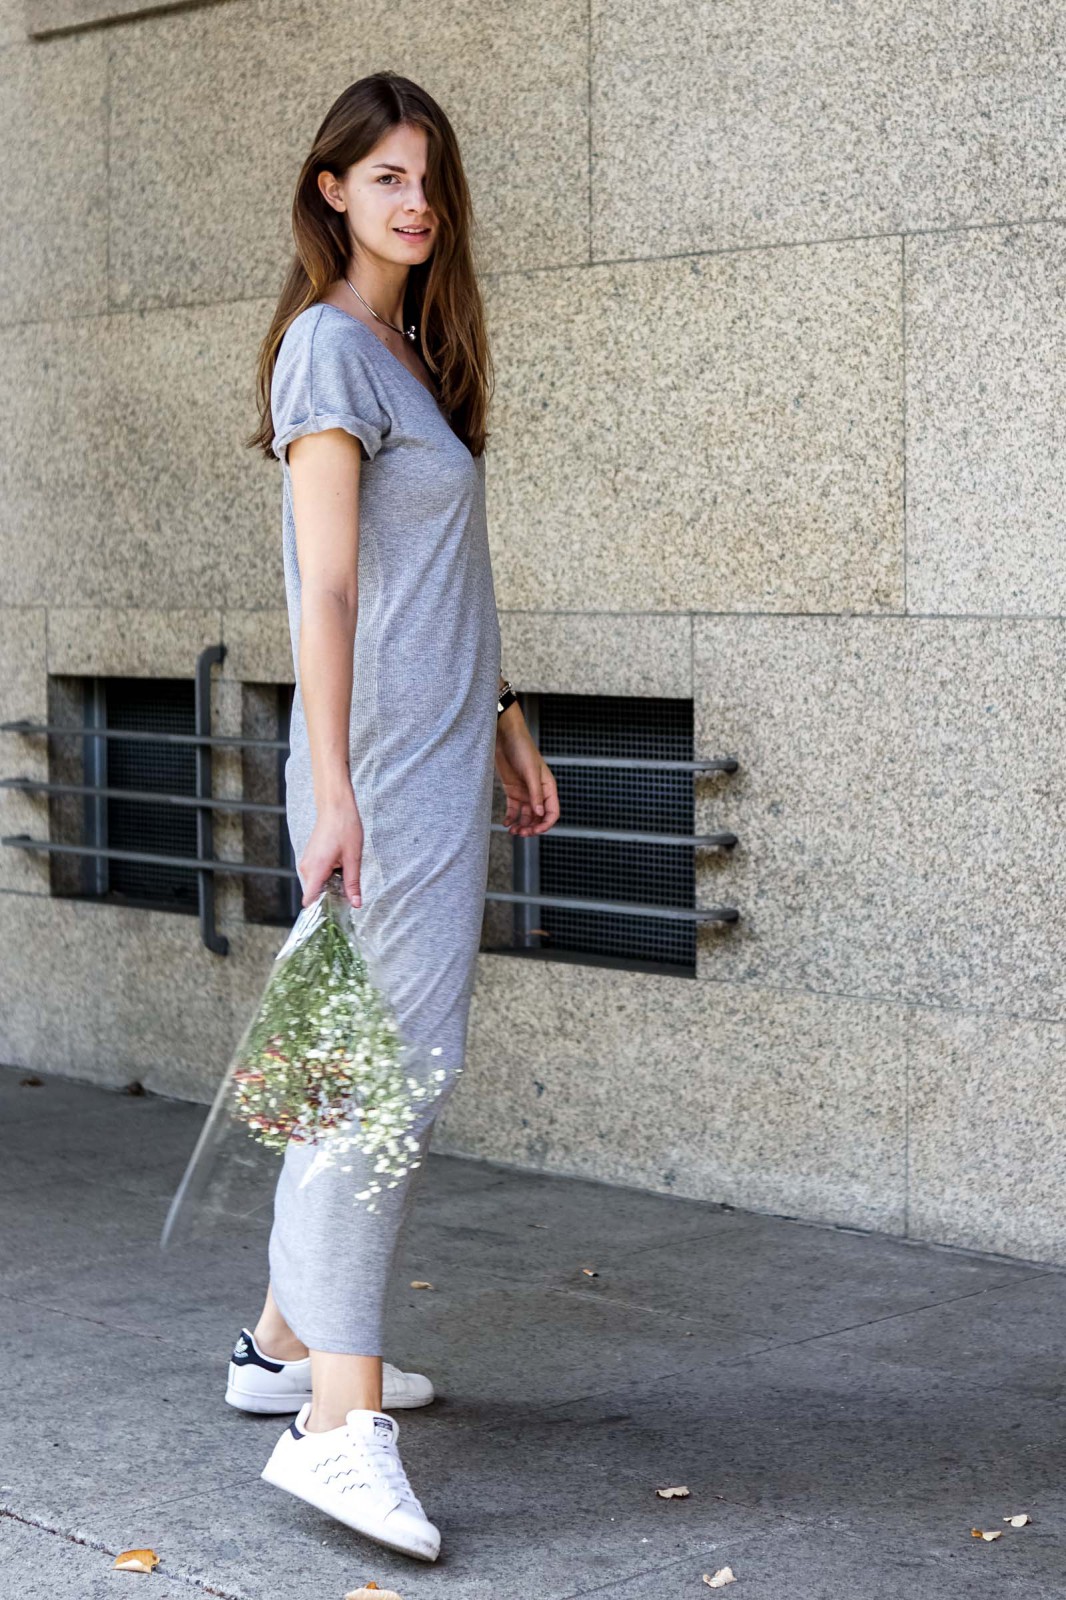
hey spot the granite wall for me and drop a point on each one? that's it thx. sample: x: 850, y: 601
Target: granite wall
x: 778, y: 302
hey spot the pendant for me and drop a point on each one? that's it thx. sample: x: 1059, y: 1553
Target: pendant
x: 410, y: 333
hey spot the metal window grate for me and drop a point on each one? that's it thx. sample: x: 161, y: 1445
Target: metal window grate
x: 634, y: 766
x: 290, y: 894
x: 151, y: 705
x: 606, y: 797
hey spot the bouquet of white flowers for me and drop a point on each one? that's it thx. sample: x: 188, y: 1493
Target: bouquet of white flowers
x: 322, y: 1061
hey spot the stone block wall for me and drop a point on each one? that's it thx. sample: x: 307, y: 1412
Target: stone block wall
x: 777, y: 302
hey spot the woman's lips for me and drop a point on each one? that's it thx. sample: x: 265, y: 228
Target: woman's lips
x: 412, y: 233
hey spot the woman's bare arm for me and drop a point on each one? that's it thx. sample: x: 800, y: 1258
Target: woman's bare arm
x: 325, y: 471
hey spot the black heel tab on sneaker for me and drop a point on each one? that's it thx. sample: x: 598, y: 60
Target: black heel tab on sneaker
x: 247, y: 1354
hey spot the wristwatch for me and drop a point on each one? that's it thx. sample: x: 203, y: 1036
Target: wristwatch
x: 507, y: 698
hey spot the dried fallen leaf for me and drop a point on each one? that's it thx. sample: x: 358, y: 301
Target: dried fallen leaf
x: 979, y: 1533
x: 419, y: 1283
x: 673, y: 1494
x: 1020, y: 1520
x: 137, y: 1560
x: 370, y: 1591
x: 590, y: 1272
x: 723, y: 1576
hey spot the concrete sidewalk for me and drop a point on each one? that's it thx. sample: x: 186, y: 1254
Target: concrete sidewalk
x: 843, y: 1407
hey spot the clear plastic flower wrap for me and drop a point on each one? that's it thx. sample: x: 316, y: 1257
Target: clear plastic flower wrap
x: 322, y: 1062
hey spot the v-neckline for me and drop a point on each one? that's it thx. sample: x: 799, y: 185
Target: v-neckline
x: 329, y: 306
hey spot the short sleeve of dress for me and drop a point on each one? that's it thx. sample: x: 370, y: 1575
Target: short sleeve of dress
x: 321, y: 381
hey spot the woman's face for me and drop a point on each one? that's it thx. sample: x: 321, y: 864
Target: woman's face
x: 388, y: 211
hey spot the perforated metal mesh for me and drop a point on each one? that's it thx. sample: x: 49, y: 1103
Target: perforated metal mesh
x: 160, y: 706
x: 605, y: 797
x: 290, y: 893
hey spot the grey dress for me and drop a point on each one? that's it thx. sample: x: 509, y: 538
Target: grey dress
x: 421, y: 741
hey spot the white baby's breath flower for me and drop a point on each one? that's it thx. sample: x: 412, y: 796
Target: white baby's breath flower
x: 323, y: 1010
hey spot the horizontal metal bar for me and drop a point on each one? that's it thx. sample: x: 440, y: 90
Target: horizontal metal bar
x: 33, y: 786
x: 216, y: 739
x: 637, y: 764
x: 224, y: 741
x: 624, y: 836
x: 560, y: 830
x: 22, y: 841
x: 666, y: 913
x: 154, y: 797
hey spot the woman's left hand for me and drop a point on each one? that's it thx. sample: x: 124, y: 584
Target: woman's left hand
x: 532, y: 798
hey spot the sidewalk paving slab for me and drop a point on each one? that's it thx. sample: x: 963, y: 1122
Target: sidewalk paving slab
x: 844, y: 1407
x: 36, y: 1564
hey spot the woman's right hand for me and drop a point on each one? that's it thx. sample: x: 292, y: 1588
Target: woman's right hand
x: 336, y: 841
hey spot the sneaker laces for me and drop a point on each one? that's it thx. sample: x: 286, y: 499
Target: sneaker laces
x: 386, y: 1467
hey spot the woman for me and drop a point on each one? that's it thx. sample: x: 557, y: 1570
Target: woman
x: 374, y: 392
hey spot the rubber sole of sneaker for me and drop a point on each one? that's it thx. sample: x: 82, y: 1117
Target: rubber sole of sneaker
x: 282, y: 1405
x: 321, y: 1504
x: 266, y: 1405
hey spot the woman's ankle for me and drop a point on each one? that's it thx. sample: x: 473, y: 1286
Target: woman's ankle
x: 322, y: 1420
x: 282, y: 1344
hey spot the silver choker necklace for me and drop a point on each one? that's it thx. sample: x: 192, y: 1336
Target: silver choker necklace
x: 408, y: 333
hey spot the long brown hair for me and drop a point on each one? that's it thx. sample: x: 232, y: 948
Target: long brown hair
x: 442, y: 295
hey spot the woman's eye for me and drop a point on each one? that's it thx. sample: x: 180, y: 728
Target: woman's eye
x: 386, y: 176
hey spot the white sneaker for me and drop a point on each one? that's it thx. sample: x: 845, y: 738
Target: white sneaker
x: 262, y: 1383
x: 354, y: 1473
